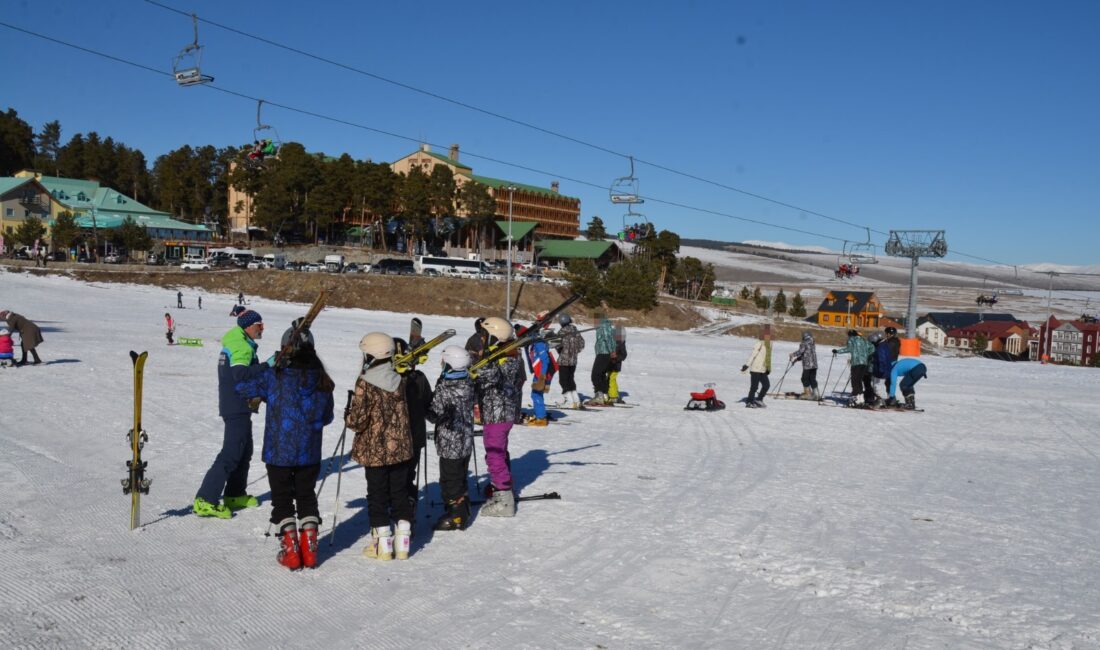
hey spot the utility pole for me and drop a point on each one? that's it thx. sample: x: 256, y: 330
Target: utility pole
x: 915, y: 244
x: 508, y: 293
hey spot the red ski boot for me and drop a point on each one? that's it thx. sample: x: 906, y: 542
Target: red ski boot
x: 307, y: 542
x: 289, y: 553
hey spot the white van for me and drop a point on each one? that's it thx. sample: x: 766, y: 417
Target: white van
x: 275, y: 260
x: 334, y: 263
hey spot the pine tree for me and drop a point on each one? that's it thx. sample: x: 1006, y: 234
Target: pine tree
x: 745, y: 293
x: 596, y: 229
x: 798, y: 308
x: 779, y: 305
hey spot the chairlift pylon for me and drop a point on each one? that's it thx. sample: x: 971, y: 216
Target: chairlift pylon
x: 187, y: 65
x: 625, y: 188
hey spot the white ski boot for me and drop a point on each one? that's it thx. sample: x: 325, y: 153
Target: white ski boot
x: 381, y: 544
x: 501, y: 504
x: 401, y: 540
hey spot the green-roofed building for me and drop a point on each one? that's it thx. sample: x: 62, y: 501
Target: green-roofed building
x: 602, y: 252
x: 555, y: 215
x: 102, y: 208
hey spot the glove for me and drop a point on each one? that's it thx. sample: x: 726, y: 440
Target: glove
x: 254, y: 404
x: 422, y: 359
x: 767, y: 372
x: 539, y: 385
x: 744, y: 368
x: 271, y: 361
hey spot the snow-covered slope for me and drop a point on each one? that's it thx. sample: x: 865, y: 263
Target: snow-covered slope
x: 972, y: 525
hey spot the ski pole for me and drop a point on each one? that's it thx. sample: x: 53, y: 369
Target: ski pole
x: 829, y: 374
x: 776, y: 393
x: 339, y: 444
x: 336, y: 505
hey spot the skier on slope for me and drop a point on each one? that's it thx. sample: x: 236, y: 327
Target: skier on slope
x: 451, y: 410
x: 299, y: 405
x: 861, y: 351
x: 379, y: 416
x: 237, y: 362
x: 908, y: 371
x: 893, y: 344
x: 759, y: 366
x: 881, y: 365
x: 541, y: 363
x: 568, y: 350
x: 171, y: 325
x: 807, y: 353
x: 616, y: 367
x: 500, y: 400
x: 605, y: 345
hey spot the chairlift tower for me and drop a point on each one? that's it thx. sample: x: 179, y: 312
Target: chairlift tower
x: 915, y: 244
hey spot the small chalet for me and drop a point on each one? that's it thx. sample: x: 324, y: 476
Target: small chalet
x: 1069, y: 341
x: 850, y: 309
x: 1001, y: 336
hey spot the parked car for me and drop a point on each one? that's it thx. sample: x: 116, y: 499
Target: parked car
x: 154, y: 260
x: 390, y: 266
x: 22, y: 254
x: 113, y: 258
x: 195, y: 265
x: 256, y: 264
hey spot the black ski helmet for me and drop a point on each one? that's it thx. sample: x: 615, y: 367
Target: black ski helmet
x: 891, y: 331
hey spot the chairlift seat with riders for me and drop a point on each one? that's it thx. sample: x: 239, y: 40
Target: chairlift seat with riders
x: 266, y: 142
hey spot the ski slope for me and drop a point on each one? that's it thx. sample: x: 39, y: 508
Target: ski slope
x: 972, y: 525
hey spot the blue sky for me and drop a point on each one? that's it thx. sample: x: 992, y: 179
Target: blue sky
x: 979, y: 118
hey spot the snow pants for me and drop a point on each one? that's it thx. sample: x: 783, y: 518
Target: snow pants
x: 861, y: 383
x: 452, y: 478
x: 613, y: 384
x: 909, y: 379
x: 539, y: 403
x: 758, y: 379
x: 292, y: 492
x: 495, y: 439
x: 567, y: 378
x: 809, y: 378
x: 600, y: 368
x: 388, y: 495
x: 230, y: 468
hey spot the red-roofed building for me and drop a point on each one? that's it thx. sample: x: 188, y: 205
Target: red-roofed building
x: 1001, y: 336
x: 1069, y: 341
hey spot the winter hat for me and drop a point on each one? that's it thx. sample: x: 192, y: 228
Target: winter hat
x: 4, y: 331
x: 853, y: 333
x: 248, y: 318
x: 565, y: 319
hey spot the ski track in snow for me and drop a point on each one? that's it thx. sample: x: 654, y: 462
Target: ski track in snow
x: 972, y: 525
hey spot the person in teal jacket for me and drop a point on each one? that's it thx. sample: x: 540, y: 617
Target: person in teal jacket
x: 605, y: 345
x: 862, y: 379
x: 908, y: 370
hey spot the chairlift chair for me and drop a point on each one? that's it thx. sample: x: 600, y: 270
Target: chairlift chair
x: 187, y: 65
x: 625, y: 188
x: 264, y: 133
x: 860, y: 253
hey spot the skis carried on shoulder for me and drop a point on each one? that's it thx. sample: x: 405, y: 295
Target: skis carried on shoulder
x: 533, y: 333
x: 402, y: 362
x: 300, y: 325
x: 135, y: 484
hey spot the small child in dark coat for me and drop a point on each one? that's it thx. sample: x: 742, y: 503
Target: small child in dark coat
x: 452, y: 413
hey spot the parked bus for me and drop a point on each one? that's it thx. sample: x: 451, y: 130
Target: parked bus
x: 454, y: 266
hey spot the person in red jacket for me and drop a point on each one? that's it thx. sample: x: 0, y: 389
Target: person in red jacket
x: 7, y: 351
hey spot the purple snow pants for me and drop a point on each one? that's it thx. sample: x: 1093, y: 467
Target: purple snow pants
x: 495, y: 439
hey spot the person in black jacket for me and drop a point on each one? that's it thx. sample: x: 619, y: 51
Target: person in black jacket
x: 418, y: 397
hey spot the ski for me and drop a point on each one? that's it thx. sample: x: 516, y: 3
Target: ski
x: 534, y: 497
x: 405, y: 360
x: 189, y: 342
x: 135, y: 484
x: 532, y: 334
x: 300, y: 325
x: 891, y: 409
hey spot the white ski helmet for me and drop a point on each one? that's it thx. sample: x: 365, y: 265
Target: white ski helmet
x: 377, y: 345
x: 498, y: 328
x: 456, y: 357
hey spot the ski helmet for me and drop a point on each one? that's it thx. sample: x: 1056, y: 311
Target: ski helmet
x: 891, y: 331
x: 304, y: 340
x: 498, y: 328
x: 457, y: 358
x: 377, y: 345
x: 565, y: 319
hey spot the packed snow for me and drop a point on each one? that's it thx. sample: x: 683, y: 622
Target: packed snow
x: 971, y: 525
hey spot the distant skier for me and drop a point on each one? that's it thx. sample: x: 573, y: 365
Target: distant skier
x: 200, y: 302
x: 451, y: 412
x: 229, y: 472
x: 807, y: 353
x: 240, y: 297
x: 237, y: 310
x: 759, y: 366
x: 179, y: 300
x: 171, y: 325
x: 299, y: 405
x: 908, y: 371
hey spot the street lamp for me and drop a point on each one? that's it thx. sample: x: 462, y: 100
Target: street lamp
x: 508, y: 295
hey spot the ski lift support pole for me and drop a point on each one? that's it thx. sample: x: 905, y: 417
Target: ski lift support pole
x: 915, y: 244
